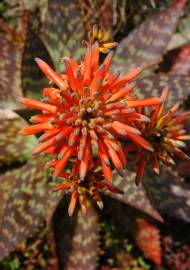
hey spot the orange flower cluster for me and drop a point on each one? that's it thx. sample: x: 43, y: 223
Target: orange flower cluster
x: 84, y: 113
x: 92, y: 185
x: 166, y: 133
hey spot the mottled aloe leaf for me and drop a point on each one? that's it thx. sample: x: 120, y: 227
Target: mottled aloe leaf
x: 134, y: 196
x: 52, y: 258
x: 84, y: 252
x: 6, y: 188
x: 76, y: 238
x: 53, y: 200
x: 182, y: 36
x: 33, y: 80
x: 146, y: 44
x: 10, y: 72
x: 168, y: 193
x: 177, y: 61
x: 24, y: 210
x: 63, y: 30
x: 13, y: 145
x: 152, y: 85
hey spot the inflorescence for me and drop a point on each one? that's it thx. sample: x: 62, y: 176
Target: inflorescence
x: 87, y: 111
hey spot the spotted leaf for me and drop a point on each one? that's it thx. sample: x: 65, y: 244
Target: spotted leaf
x: 13, y: 146
x: 153, y: 85
x: 133, y: 195
x: 177, y: 61
x: 53, y: 199
x: 84, y: 242
x: 10, y: 72
x: 168, y: 193
x: 32, y: 78
x: 24, y: 210
x: 146, y: 44
x: 63, y: 30
x: 77, y: 238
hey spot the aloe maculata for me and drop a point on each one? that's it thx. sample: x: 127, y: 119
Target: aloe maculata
x: 86, y: 111
x: 167, y: 193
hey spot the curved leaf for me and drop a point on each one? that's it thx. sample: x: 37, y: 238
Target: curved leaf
x: 134, y: 196
x: 33, y: 80
x: 10, y: 72
x: 53, y: 199
x: 146, y: 44
x: 13, y: 146
x: 84, y: 254
x: 24, y: 210
x: 152, y: 85
x: 168, y: 193
x: 76, y: 238
x: 177, y: 61
x: 63, y: 30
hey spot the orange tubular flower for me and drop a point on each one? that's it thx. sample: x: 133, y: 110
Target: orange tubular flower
x: 92, y: 185
x: 166, y: 133
x: 84, y: 111
x: 103, y: 39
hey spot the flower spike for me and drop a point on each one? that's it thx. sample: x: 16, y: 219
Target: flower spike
x: 84, y: 114
x: 166, y: 133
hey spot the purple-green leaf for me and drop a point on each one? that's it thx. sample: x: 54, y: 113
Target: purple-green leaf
x: 14, y: 147
x: 63, y: 30
x: 152, y: 86
x: 76, y: 238
x: 177, y: 61
x: 33, y: 80
x: 10, y: 72
x: 24, y: 208
x: 84, y: 254
x: 134, y: 196
x: 168, y: 193
x: 147, y: 43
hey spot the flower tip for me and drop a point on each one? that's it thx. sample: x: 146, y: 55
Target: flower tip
x: 146, y: 119
x: 137, y: 181
x: 84, y: 43
x: 150, y: 148
x: 20, y: 100
x: 23, y: 100
x: 35, y: 151
x: 137, y: 132
x: 38, y: 60
x: 156, y: 171
x: 140, y: 69
x: 21, y: 132
x: 164, y: 94
x: 100, y: 204
x: 70, y: 212
x: 121, y: 172
x: 82, y: 176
